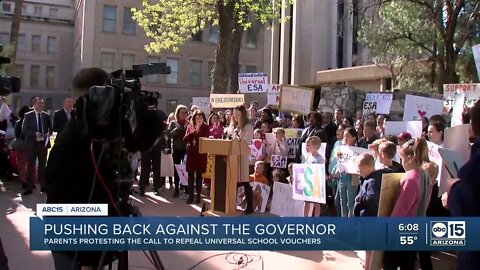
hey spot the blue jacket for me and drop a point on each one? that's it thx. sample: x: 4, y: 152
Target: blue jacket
x: 463, y: 201
x: 366, y: 202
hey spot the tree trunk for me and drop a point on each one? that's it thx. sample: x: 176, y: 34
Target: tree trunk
x: 15, y: 28
x: 235, y: 56
x: 221, y: 73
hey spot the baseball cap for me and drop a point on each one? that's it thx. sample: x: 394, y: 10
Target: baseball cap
x: 405, y: 136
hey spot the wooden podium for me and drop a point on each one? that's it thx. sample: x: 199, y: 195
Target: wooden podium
x: 225, y: 172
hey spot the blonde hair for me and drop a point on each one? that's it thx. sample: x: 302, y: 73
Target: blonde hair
x: 366, y: 159
x: 416, y: 148
x: 279, y: 130
x: 431, y: 168
x: 314, y: 141
x: 388, y: 148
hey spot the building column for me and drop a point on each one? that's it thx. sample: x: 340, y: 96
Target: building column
x: 347, y: 33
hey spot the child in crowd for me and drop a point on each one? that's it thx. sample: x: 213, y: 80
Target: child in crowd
x: 280, y: 146
x: 313, y: 157
x: 258, y: 175
x: 386, y: 153
x: 279, y: 176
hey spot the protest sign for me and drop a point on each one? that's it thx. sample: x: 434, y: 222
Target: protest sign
x: 471, y: 91
x: 277, y: 161
x: 457, y: 112
x: 256, y: 150
x: 252, y: 82
x: 182, y: 173
x: 208, y: 172
x: 322, y: 150
x: 416, y: 107
x: 347, y: 158
x: 226, y: 100
x: 202, y: 103
x: 283, y: 203
x: 309, y: 182
x: 260, y: 192
x: 397, y: 127
x: 273, y: 95
x: 293, y: 135
x: 476, y: 56
x: 379, y: 103
x: 296, y: 99
x: 435, y: 157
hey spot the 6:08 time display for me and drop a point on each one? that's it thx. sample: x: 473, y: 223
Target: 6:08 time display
x: 408, y: 227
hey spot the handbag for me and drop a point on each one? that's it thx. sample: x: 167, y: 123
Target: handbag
x: 167, y: 168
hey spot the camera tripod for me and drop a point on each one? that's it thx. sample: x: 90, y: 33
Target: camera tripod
x: 131, y: 211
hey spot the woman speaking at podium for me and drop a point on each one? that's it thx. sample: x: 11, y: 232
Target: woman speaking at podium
x: 241, y: 130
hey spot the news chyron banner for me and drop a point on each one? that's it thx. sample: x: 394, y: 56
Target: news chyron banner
x: 253, y: 233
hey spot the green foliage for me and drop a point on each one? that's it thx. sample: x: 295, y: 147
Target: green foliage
x: 6, y: 52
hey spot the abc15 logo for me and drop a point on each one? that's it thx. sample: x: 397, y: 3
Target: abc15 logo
x: 448, y: 229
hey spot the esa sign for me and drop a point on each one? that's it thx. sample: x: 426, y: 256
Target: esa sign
x: 252, y: 83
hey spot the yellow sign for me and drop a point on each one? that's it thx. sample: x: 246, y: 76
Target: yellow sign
x: 226, y: 100
x: 208, y: 173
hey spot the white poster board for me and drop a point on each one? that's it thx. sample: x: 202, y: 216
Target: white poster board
x: 273, y: 95
x: 277, y: 161
x: 182, y: 173
x: 283, y: 203
x: 476, y: 56
x: 378, y: 103
x: 256, y: 149
x: 202, y: 103
x: 252, y: 83
x: 226, y: 100
x: 347, y: 158
x: 416, y: 107
x: 296, y: 99
x: 309, y: 182
x: 260, y: 192
x: 397, y: 127
x: 457, y: 112
x: 435, y: 156
x: 471, y: 91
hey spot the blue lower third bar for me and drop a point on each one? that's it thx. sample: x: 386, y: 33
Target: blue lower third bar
x: 253, y: 233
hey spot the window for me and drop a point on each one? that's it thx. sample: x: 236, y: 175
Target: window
x: 50, y: 77
x: 196, y: 73
x: 197, y: 36
x: 109, y: 18
x: 251, y: 69
x: 128, y: 60
x: 7, y: 7
x: 211, y: 66
x: 252, y: 34
x: 52, y: 13
x: 107, y: 61
x: 20, y: 71
x: 51, y: 45
x: 37, y: 10
x: 213, y: 35
x: 21, y: 42
x: 24, y: 9
x: 154, y: 78
x: 172, y: 78
x: 34, y: 76
x: 171, y: 105
x: 129, y: 26
x: 35, y: 43
x: 4, y: 38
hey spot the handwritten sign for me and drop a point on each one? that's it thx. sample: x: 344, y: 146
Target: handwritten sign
x: 435, y: 156
x: 309, y: 182
x: 471, y: 91
x: 273, y: 95
x: 283, y: 203
x: 256, y: 151
x: 397, y: 127
x: 347, y: 158
x: 252, y: 82
x: 260, y: 192
x: 226, y: 100
x: 416, y: 107
x: 457, y: 112
x: 277, y: 161
x: 296, y: 99
x: 476, y: 56
x: 182, y: 173
x: 293, y: 135
x: 202, y: 103
x: 379, y: 103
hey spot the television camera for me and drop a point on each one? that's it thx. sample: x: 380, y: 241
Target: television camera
x: 8, y: 84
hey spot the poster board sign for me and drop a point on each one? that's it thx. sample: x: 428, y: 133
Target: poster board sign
x: 452, y: 160
x: 260, y: 196
x: 476, y: 56
x: 277, y: 161
x: 182, y: 173
x: 283, y: 203
x: 322, y: 151
x: 416, y: 107
x: 471, y: 91
x: 226, y: 100
x: 309, y: 182
x: 256, y: 150
x: 397, y: 127
x: 347, y: 158
x: 252, y: 83
x: 388, y: 197
x: 293, y: 135
x: 273, y: 96
x: 202, y: 103
x: 435, y: 157
x: 457, y: 112
x: 208, y: 172
x: 296, y: 99
x: 379, y: 103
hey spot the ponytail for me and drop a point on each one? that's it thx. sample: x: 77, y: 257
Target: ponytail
x: 417, y: 148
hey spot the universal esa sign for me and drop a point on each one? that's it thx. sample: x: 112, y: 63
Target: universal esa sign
x: 252, y: 82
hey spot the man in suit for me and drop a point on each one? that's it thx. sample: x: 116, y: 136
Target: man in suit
x: 61, y: 116
x: 37, y: 129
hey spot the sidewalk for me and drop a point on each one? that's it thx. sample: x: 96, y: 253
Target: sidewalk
x: 14, y: 231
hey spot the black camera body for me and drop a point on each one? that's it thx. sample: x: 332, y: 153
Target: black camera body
x: 8, y: 84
